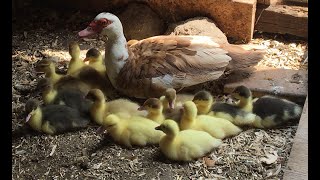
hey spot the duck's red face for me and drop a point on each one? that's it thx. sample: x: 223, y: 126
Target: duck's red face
x: 95, y: 27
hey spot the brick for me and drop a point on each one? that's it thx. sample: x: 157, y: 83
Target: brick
x: 285, y: 83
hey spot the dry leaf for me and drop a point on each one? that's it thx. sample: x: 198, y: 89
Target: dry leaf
x: 271, y: 158
x: 273, y: 172
x: 208, y: 162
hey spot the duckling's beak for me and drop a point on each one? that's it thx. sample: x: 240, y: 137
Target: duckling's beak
x: 171, y: 105
x: 86, y: 59
x: 158, y: 128
x: 28, y: 117
x: 100, y: 130
x: 141, y: 108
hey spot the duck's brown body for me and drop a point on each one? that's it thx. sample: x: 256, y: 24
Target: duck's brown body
x: 150, y: 66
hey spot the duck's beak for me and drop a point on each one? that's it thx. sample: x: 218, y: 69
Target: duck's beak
x: 86, y: 59
x: 171, y: 105
x: 87, y: 32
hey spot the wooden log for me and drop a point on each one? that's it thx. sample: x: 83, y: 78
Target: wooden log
x: 283, y: 19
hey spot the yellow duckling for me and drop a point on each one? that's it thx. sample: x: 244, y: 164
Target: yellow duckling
x: 96, y: 61
x: 271, y: 111
x: 216, y: 127
x: 49, y: 68
x: 154, y: 108
x: 53, y: 119
x: 244, y: 95
x: 185, y: 145
x: 69, y: 97
x: 206, y: 105
x: 75, y: 63
x: 133, y: 130
x: 171, y: 99
x: 100, y: 108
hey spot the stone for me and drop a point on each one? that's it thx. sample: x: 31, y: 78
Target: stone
x: 140, y: 22
x: 235, y: 18
x: 201, y: 26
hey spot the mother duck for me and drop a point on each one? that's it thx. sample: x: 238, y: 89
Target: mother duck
x: 149, y: 66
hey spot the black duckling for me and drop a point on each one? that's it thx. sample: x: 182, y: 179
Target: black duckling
x: 271, y: 111
x: 73, y: 98
x: 53, y: 119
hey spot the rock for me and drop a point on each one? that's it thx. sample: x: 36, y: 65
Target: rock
x: 140, y: 22
x: 201, y: 26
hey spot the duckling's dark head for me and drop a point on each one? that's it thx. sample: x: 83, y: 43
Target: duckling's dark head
x: 93, y: 52
x: 241, y: 92
x: 95, y: 95
x: 202, y: 96
x: 171, y: 96
x: 43, y: 84
x: 43, y: 65
x: 31, y: 105
x: 151, y: 104
x: 74, y: 49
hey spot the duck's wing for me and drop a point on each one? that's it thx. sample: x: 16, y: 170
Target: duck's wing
x: 172, y: 62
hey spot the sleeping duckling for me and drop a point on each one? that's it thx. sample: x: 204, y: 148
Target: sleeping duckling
x: 206, y: 105
x: 132, y: 130
x: 271, y: 111
x: 100, y: 108
x: 69, y: 97
x: 244, y: 95
x: 95, y: 60
x: 185, y: 145
x: 49, y: 68
x: 75, y: 63
x: 53, y: 119
x: 216, y: 127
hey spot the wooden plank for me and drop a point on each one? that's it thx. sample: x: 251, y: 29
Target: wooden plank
x: 286, y: 83
x: 283, y: 19
x: 269, y: 2
x: 297, y: 167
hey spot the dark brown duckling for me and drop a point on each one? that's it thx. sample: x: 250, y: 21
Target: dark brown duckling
x: 53, y: 119
x: 73, y: 98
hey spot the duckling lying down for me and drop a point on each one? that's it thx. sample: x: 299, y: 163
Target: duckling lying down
x: 131, y: 130
x: 185, y: 145
x: 53, y: 119
x: 271, y: 111
x: 206, y: 105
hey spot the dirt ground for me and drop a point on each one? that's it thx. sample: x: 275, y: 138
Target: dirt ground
x: 254, y: 154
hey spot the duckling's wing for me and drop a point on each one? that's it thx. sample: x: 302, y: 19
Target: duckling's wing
x: 173, y: 62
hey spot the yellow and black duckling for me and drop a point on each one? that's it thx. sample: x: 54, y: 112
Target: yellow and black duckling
x: 271, y: 111
x: 207, y: 105
x: 185, y: 145
x: 75, y: 63
x: 96, y: 61
x: 73, y: 98
x: 49, y: 68
x: 131, y: 130
x: 53, y: 119
x: 154, y: 108
x: 93, y: 74
x: 60, y: 81
x: 216, y: 127
x: 244, y: 96
x: 100, y: 108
